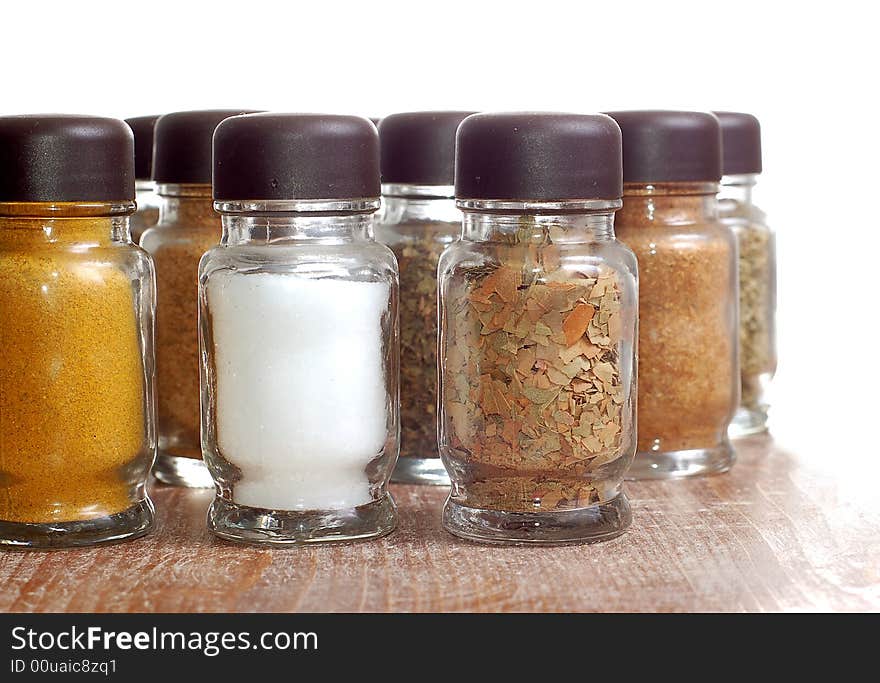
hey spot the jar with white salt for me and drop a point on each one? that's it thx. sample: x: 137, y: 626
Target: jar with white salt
x: 299, y: 334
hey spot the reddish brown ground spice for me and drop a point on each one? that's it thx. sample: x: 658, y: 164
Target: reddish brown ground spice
x: 688, y: 378
x: 177, y: 246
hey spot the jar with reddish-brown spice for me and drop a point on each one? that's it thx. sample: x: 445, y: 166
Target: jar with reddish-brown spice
x: 188, y: 227
x: 419, y: 221
x: 537, y: 333
x: 688, y: 369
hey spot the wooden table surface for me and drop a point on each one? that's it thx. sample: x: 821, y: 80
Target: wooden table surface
x: 773, y: 534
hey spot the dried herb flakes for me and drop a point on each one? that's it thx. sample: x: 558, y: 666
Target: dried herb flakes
x: 417, y: 259
x: 756, y: 309
x: 532, y: 382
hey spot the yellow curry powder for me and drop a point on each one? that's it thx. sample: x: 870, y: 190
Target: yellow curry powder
x: 72, y: 428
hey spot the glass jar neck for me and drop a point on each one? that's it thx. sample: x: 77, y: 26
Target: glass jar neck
x: 417, y: 203
x: 737, y: 188
x: 296, y: 222
x: 186, y: 205
x: 144, y: 185
x: 668, y: 203
x: 35, y: 223
x: 538, y: 223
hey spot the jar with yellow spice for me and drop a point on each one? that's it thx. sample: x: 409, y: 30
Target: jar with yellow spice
x: 187, y: 228
x: 688, y: 353
x: 77, y: 435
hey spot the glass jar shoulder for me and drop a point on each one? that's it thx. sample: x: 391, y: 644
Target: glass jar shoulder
x: 655, y: 238
x: 100, y: 283
x: 558, y: 260
x: 85, y: 257
x: 749, y: 227
x: 363, y: 260
x: 733, y: 211
x: 172, y: 236
x: 416, y: 231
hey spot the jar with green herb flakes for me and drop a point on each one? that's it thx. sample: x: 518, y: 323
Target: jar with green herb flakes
x: 741, y: 152
x: 419, y: 221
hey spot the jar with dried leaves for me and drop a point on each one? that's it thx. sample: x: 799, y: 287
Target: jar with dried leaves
x: 77, y: 416
x: 147, y: 214
x: 741, y: 135
x: 688, y: 371
x: 538, y: 323
x: 419, y: 221
x: 188, y: 226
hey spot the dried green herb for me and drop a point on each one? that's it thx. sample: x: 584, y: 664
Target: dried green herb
x: 756, y: 293
x: 417, y: 259
x: 532, y: 385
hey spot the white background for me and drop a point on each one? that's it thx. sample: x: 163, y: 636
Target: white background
x: 808, y: 70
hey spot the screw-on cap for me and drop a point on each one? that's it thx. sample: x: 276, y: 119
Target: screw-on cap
x: 142, y: 127
x: 741, y: 142
x: 538, y: 156
x: 65, y: 158
x: 669, y: 146
x: 182, y: 146
x: 296, y: 156
x: 418, y: 148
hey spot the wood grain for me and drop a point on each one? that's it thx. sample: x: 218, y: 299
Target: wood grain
x: 770, y: 535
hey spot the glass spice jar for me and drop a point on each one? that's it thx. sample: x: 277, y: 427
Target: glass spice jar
x: 147, y: 214
x: 299, y: 334
x: 77, y: 420
x: 418, y: 222
x: 741, y: 151
x: 188, y: 226
x: 538, y: 322
x: 688, y: 374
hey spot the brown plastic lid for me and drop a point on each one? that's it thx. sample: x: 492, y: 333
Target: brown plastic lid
x: 418, y: 148
x: 670, y: 146
x: 741, y: 142
x: 142, y: 127
x: 296, y: 156
x: 538, y: 156
x: 65, y: 158
x: 182, y: 145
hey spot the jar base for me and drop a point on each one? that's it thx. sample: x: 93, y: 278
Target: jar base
x: 122, y: 526
x: 679, y: 464
x: 600, y: 522
x: 287, y: 527
x: 747, y: 422
x: 176, y: 470
x: 420, y: 471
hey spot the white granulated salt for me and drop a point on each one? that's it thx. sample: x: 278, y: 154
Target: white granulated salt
x: 300, y: 386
